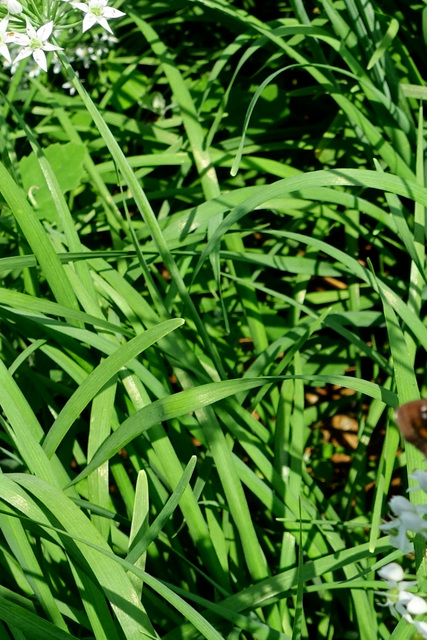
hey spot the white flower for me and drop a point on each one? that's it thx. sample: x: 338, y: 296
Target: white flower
x: 109, y: 40
x: 408, y: 518
x: 85, y: 55
x: 4, y: 38
x: 421, y: 478
x: 68, y: 86
x: 97, y: 11
x: 421, y: 627
x: 35, y: 44
x: 398, y: 599
x: 398, y: 537
x: 13, y: 6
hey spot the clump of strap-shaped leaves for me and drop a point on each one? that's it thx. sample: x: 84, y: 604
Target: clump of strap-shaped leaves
x: 210, y: 252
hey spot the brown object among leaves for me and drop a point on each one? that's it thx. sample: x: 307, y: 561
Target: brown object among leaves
x: 411, y: 419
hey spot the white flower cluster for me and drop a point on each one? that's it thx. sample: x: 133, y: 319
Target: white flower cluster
x: 401, y: 601
x: 407, y: 517
x: 17, y: 28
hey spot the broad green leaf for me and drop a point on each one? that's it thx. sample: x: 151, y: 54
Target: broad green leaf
x: 67, y: 161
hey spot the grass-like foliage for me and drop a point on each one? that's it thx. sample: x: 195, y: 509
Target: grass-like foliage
x: 213, y: 272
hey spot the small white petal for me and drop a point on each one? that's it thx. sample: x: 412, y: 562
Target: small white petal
x: 40, y: 58
x: 50, y: 47
x: 405, y: 597
x: 416, y: 606
x: 392, y: 571
x: 400, y: 541
x: 45, y: 30
x: 22, y: 54
x: 399, y: 504
x: 421, y: 627
x: 88, y: 21
x: 110, y: 12
x: 407, y: 584
x: 421, y: 478
x: 413, y: 521
x: 83, y: 7
x: 14, y: 7
x: 4, y: 51
x: 389, y: 526
x: 20, y: 38
x: 103, y: 22
x: 31, y: 32
x: 400, y: 608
